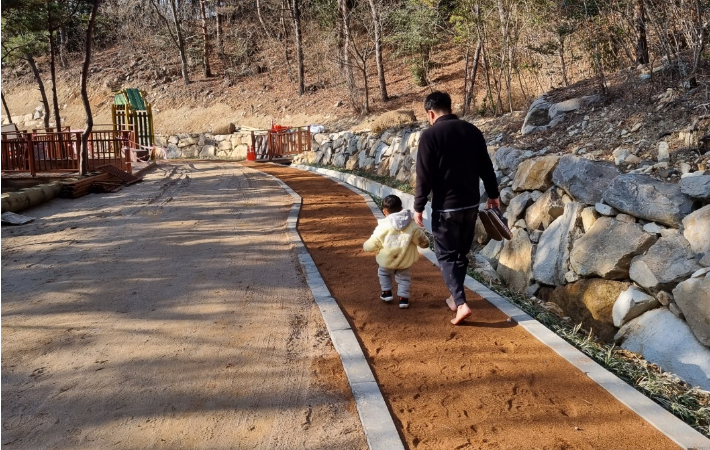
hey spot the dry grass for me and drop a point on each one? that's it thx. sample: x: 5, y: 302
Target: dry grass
x: 393, y: 119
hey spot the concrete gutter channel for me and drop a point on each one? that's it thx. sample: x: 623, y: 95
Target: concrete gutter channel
x: 36, y: 195
x: 377, y: 422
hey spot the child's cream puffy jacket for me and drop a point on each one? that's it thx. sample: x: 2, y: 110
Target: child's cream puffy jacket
x: 395, y: 240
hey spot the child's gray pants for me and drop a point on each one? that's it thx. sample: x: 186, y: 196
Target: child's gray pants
x: 403, y: 277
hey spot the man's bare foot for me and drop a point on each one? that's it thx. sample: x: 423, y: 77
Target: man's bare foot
x: 450, y: 303
x: 462, y: 312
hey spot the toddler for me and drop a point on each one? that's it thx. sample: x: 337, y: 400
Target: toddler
x: 395, y: 241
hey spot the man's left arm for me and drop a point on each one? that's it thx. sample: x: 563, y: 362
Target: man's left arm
x: 486, y: 172
x: 423, y: 170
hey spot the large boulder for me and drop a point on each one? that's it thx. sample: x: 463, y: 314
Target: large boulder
x: 607, y: 249
x: 492, y: 251
x: 395, y: 164
x: 632, y: 303
x: 515, y: 261
x: 543, y: 114
x: 696, y: 186
x: 583, y: 179
x: 516, y: 207
x: 667, y: 341
x: 508, y: 159
x: 538, y: 116
x: 535, y: 174
x: 693, y: 298
x: 553, y: 251
x: 340, y: 159
x: 590, y: 302
x: 546, y: 209
x: 668, y: 262
x: 641, y: 196
x: 696, y: 229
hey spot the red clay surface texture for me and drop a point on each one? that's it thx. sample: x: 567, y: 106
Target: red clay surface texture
x: 485, y: 385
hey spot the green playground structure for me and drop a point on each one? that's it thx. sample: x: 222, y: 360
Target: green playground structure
x: 131, y: 112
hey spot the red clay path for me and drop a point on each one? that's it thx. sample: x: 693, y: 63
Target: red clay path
x: 485, y: 385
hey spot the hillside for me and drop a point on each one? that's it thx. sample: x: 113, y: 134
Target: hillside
x: 641, y: 109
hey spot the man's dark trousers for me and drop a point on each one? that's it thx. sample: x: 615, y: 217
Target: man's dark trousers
x: 453, y: 236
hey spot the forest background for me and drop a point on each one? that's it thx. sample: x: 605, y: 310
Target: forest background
x: 330, y: 60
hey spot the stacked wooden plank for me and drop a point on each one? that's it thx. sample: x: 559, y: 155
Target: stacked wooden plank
x: 127, y: 178
x: 81, y: 187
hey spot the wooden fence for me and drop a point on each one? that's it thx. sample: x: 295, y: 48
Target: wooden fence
x: 272, y: 144
x: 59, y: 151
x: 140, y: 122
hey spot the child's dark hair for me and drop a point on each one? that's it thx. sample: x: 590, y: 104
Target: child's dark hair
x: 392, y: 204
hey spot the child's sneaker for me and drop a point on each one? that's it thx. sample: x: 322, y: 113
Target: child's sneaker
x: 403, y: 302
x: 386, y: 296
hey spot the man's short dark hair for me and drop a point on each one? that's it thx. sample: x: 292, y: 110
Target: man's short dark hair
x: 439, y: 102
x: 392, y: 204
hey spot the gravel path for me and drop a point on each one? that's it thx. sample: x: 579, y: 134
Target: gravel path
x: 171, y: 314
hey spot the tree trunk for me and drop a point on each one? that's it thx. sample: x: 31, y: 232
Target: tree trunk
x: 503, y: 48
x: 31, y: 61
x: 206, y: 41
x: 299, y: 44
x: 472, y: 78
x: 640, y: 27
x: 600, y: 73
x: 7, y: 110
x: 377, y: 26
x: 53, y: 74
x: 261, y: 19
x: 84, y: 93
x: 220, y: 33
x: 349, y: 78
x: 340, y: 38
x: 563, y: 65
x: 63, y: 48
x: 702, y: 38
x: 489, y: 88
x: 181, y: 43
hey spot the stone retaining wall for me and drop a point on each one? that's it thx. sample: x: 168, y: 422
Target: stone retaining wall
x: 206, y: 145
x: 590, y: 242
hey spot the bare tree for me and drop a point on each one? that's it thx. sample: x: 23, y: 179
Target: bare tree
x: 296, y: 15
x: 7, y: 110
x: 347, y: 41
x: 51, y: 28
x: 701, y: 35
x: 377, y: 30
x: 206, y: 41
x: 176, y: 36
x: 261, y: 19
x: 33, y: 66
x: 640, y: 28
x: 220, y: 32
x: 84, y: 93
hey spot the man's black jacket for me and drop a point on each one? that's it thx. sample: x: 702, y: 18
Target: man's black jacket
x: 452, y: 156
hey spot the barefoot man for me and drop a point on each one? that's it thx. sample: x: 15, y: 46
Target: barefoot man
x: 452, y: 157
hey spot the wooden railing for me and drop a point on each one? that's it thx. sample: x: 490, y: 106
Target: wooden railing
x: 271, y: 144
x: 59, y: 151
